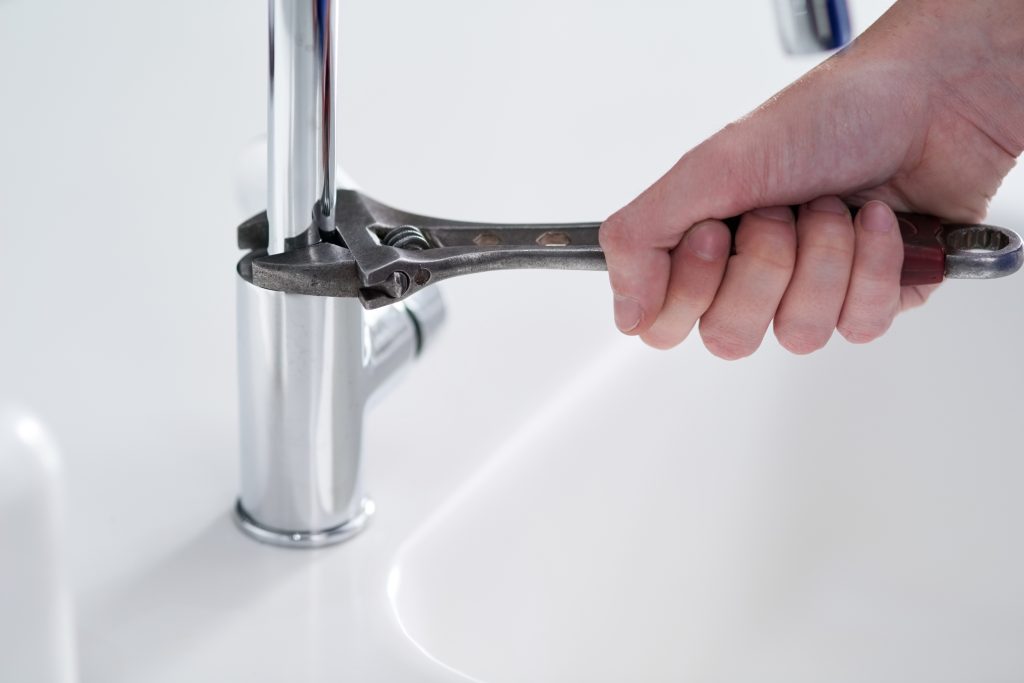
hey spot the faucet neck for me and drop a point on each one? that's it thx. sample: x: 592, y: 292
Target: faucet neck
x: 301, y: 180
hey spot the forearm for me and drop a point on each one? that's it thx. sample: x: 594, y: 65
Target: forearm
x: 971, y: 52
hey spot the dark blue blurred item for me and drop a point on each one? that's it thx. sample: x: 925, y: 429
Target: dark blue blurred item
x: 838, y: 22
x: 807, y: 26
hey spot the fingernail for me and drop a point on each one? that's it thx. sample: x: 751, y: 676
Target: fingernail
x: 703, y: 241
x: 776, y: 213
x: 829, y: 205
x: 627, y: 313
x: 877, y: 217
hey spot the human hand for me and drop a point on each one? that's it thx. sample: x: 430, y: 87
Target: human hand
x: 918, y: 115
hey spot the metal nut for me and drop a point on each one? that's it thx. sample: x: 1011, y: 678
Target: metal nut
x: 554, y: 238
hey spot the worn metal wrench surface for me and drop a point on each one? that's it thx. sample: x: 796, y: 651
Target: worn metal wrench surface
x: 383, y: 255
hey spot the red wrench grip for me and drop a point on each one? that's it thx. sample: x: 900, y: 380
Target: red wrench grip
x: 924, y: 253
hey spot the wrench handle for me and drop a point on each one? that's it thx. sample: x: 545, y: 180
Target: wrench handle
x: 924, y: 253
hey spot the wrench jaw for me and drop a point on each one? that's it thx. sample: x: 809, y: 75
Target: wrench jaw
x: 393, y: 288
x: 415, y: 270
x: 362, y: 257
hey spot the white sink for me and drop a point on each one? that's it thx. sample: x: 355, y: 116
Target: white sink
x: 553, y: 502
x: 848, y: 517
x: 36, y: 634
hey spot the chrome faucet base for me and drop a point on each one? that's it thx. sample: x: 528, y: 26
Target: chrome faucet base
x: 304, y: 539
x: 309, y: 369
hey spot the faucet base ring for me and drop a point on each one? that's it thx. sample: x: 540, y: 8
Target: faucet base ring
x: 304, y: 539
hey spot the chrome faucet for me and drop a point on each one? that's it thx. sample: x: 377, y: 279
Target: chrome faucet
x: 308, y: 365
x: 329, y: 298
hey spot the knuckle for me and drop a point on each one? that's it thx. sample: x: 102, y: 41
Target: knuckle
x: 829, y: 242
x: 831, y: 256
x: 617, y: 233
x: 868, y: 299
x: 661, y: 341
x: 688, y: 300
x: 833, y: 230
x: 877, y: 280
x: 774, y: 246
x: 769, y: 231
x: 747, y: 167
x: 878, y: 265
x: 863, y: 331
x: 727, y: 344
x: 667, y: 332
x: 782, y: 261
x: 801, y: 338
x: 912, y: 297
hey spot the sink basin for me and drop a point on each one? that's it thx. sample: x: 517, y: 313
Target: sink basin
x: 553, y: 502
x: 668, y: 518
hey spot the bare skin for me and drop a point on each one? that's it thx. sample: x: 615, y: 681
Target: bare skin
x: 924, y: 113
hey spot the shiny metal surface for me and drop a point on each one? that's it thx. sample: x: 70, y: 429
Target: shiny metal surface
x: 300, y: 117
x: 304, y: 539
x: 428, y: 312
x: 301, y: 389
x: 807, y: 26
x: 308, y: 366
x: 308, y: 369
x: 356, y: 261
x: 982, y: 252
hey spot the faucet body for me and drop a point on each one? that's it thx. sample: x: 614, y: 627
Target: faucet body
x: 309, y: 365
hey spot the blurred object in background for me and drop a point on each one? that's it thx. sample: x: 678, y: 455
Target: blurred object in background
x: 807, y: 26
x: 36, y: 632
